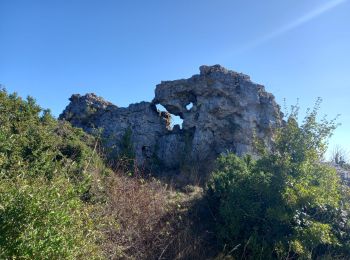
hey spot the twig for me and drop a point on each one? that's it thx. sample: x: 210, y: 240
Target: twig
x: 93, y: 152
x: 160, y: 257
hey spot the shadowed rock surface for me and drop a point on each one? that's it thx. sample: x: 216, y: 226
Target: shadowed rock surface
x: 222, y: 110
x: 93, y: 113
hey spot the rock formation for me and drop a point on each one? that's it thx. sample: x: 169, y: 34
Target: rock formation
x: 222, y: 111
x: 92, y: 113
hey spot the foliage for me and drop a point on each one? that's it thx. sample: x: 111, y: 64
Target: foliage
x: 44, y: 167
x: 59, y: 201
x: 41, y: 219
x: 127, y: 149
x: 126, y: 156
x: 286, y: 204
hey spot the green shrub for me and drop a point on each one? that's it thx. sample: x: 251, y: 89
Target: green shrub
x: 126, y: 157
x: 41, y: 219
x: 45, y: 170
x: 287, y: 204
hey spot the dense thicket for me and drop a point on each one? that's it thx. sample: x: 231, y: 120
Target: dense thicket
x: 287, y: 204
x: 44, y: 184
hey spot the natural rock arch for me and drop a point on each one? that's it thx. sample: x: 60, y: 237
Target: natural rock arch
x: 227, y: 111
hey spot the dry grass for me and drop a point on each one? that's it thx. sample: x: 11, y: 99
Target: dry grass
x: 145, y: 219
x: 133, y: 208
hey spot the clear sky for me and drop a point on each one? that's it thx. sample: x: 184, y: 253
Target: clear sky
x: 120, y: 50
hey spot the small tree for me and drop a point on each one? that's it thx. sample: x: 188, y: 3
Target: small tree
x: 285, y: 204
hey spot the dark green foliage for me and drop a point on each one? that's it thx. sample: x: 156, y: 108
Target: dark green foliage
x: 127, y: 149
x: 126, y: 156
x: 43, y: 174
x: 287, y: 204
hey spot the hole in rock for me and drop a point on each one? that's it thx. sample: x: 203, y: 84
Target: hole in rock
x: 189, y: 106
x: 175, y: 120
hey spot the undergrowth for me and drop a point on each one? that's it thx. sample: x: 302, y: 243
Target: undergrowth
x: 59, y: 199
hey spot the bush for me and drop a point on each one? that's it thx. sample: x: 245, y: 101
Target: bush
x: 287, y: 204
x: 126, y: 157
x: 44, y: 219
x: 45, y: 168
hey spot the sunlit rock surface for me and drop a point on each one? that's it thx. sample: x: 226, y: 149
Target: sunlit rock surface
x: 222, y: 111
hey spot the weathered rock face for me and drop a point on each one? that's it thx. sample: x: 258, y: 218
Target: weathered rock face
x: 221, y: 110
x: 93, y: 113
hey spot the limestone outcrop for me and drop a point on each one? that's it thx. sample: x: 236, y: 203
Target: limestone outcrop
x: 94, y: 114
x: 222, y: 111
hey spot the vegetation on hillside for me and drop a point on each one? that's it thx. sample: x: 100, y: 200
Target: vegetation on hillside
x: 287, y: 204
x: 44, y: 185
x: 59, y: 200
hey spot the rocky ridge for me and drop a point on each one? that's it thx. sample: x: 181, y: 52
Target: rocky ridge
x: 222, y: 111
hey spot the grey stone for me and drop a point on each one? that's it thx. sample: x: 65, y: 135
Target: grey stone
x: 228, y: 110
x: 92, y: 113
x: 222, y: 111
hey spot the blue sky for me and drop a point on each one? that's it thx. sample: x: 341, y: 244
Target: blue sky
x: 120, y: 50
